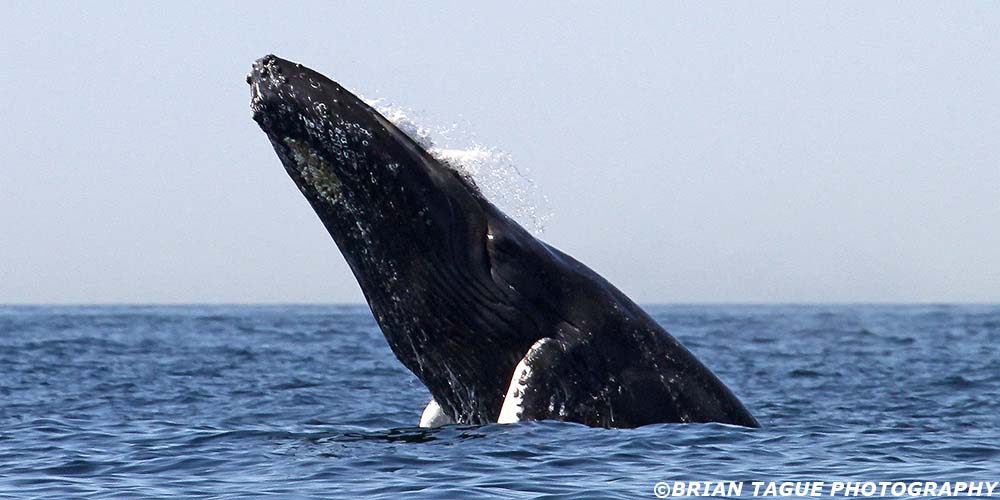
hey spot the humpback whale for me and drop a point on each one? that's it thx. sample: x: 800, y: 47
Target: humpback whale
x: 498, y: 325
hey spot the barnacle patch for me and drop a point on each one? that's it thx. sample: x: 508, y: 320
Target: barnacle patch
x: 315, y: 171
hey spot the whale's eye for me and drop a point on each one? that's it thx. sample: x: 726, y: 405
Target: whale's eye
x: 499, y: 242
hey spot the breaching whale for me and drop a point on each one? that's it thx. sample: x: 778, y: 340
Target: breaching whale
x: 498, y: 325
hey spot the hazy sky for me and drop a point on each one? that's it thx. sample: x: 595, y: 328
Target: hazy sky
x: 747, y: 152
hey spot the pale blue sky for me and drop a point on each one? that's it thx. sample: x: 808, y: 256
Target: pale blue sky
x: 736, y: 152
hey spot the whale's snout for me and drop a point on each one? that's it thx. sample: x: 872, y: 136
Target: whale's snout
x: 286, y: 91
x: 266, y: 77
x: 269, y: 66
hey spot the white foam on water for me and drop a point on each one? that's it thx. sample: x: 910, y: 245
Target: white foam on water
x: 493, y: 170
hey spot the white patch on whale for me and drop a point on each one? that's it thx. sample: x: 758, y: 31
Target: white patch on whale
x: 433, y: 416
x: 513, y: 402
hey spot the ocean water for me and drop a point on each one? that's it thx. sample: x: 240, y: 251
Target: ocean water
x: 308, y: 402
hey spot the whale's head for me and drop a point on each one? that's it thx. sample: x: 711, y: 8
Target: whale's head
x: 384, y: 199
x: 423, y: 242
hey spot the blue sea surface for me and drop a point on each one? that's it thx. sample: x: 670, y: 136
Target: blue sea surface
x: 309, y: 402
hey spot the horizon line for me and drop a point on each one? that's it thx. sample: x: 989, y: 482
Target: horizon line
x: 364, y: 304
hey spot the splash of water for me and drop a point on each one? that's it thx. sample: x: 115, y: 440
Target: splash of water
x: 493, y: 170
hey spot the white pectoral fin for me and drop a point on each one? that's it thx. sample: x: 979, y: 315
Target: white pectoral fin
x: 434, y: 416
x: 513, y: 402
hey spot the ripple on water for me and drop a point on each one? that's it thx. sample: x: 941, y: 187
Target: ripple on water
x: 236, y: 402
